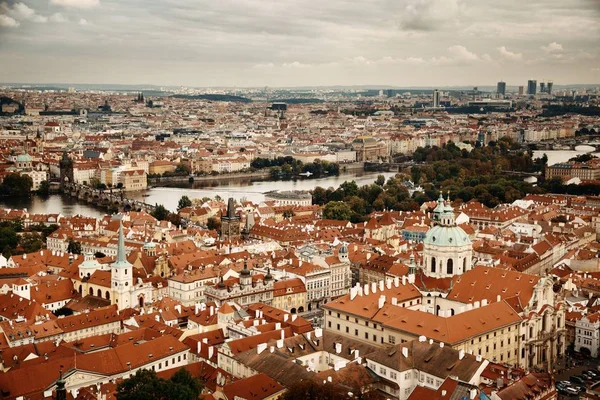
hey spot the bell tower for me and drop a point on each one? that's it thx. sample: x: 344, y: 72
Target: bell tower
x: 121, y: 275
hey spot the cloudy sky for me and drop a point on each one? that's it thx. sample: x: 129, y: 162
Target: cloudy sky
x: 300, y: 42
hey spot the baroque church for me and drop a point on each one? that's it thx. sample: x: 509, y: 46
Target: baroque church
x: 447, y: 249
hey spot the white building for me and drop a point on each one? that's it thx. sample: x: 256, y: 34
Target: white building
x: 587, y: 334
x: 408, y: 365
x: 447, y: 249
x: 289, y: 198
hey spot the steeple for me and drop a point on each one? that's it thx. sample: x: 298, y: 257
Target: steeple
x: 61, y: 391
x: 121, y: 255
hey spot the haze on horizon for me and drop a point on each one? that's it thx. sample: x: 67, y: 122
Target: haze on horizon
x: 249, y: 43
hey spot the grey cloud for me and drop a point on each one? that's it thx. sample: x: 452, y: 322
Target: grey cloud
x: 248, y: 42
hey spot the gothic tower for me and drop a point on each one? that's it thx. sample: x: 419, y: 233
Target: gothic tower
x: 230, y: 223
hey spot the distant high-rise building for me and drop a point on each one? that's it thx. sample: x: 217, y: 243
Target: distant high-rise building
x: 542, y: 87
x: 531, y: 86
x: 436, y: 98
x: 501, y: 88
x: 521, y: 90
x: 549, y: 87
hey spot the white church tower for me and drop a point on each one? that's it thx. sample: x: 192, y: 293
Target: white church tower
x: 121, y: 275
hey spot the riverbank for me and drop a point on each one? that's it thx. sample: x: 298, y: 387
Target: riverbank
x: 262, y: 174
x: 208, y: 178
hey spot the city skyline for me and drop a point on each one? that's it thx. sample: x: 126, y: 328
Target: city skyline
x: 431, y: 43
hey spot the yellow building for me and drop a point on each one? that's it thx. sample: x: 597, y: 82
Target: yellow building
x: 159, y: 167
x: 134, y: 179
x: 290, y: 295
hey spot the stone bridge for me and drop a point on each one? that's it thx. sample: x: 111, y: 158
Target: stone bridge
x: 108, y: 198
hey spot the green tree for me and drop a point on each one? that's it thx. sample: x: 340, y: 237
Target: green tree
x: 213, y: 224
x: 160, y: 212
x: 182, y: 169
x: 337, y: 210
x: 74, y: 247
x: 184, y: 379
x: 184, y: 202
x: 380, y: 180
x: 146, y: 385
x: 31, y: 242
x: 44, y: 189
x: 319, y: 195
x: 16, y: 185
x: 8, y: 239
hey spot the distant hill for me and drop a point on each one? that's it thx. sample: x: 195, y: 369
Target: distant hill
x: 214, y: 97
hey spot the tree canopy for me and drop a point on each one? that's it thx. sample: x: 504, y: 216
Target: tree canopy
x: 16, y: 185
x: 184, y: 202
x: 146, y: 385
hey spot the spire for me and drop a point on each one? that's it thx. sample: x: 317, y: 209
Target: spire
x: 61, y: 391
x: 121, y: 249
x: 121, y: 253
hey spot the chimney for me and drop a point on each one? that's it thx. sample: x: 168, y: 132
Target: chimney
x: 178, y: 308
x: 318, y: 332
x: 285, y: 317
x: 280, y: 343
x: 499, y: 383
x: 484, y: 302
x: 461, y: 354
x: 405, y: 352
x: 338, y: 348
x: 294, y: 316
x: 212, y: 310
x: 366, y: 290
x: 381, y: 286
x: 205, y: 340
x: 277, y: 326
x: 498, y: 298
x: 198, y: 347
x: 211, y: 351
x: 441, y: 344
x: 368, y: 256
x: 422, y: 339
x: 352, y: 293
x: 260, y: 348
x: 472, y: 394
x: 478, y: 358
x: 394, y: 301
x: 272, y: 349
x: 476, y: 304
x: 381, y: 301
x: 373, y: 287
x: 396, y: 281
x: 403, y: 280
x: 282, y: 335
x: 443, y: 393
x: 388, y: 284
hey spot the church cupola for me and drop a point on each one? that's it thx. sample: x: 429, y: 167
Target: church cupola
x: 245, y: 277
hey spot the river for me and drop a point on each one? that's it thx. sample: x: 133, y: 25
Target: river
x: 239, y: 189
x: 247, y: 189
x: 561, y: 156
x: 169, y: 196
